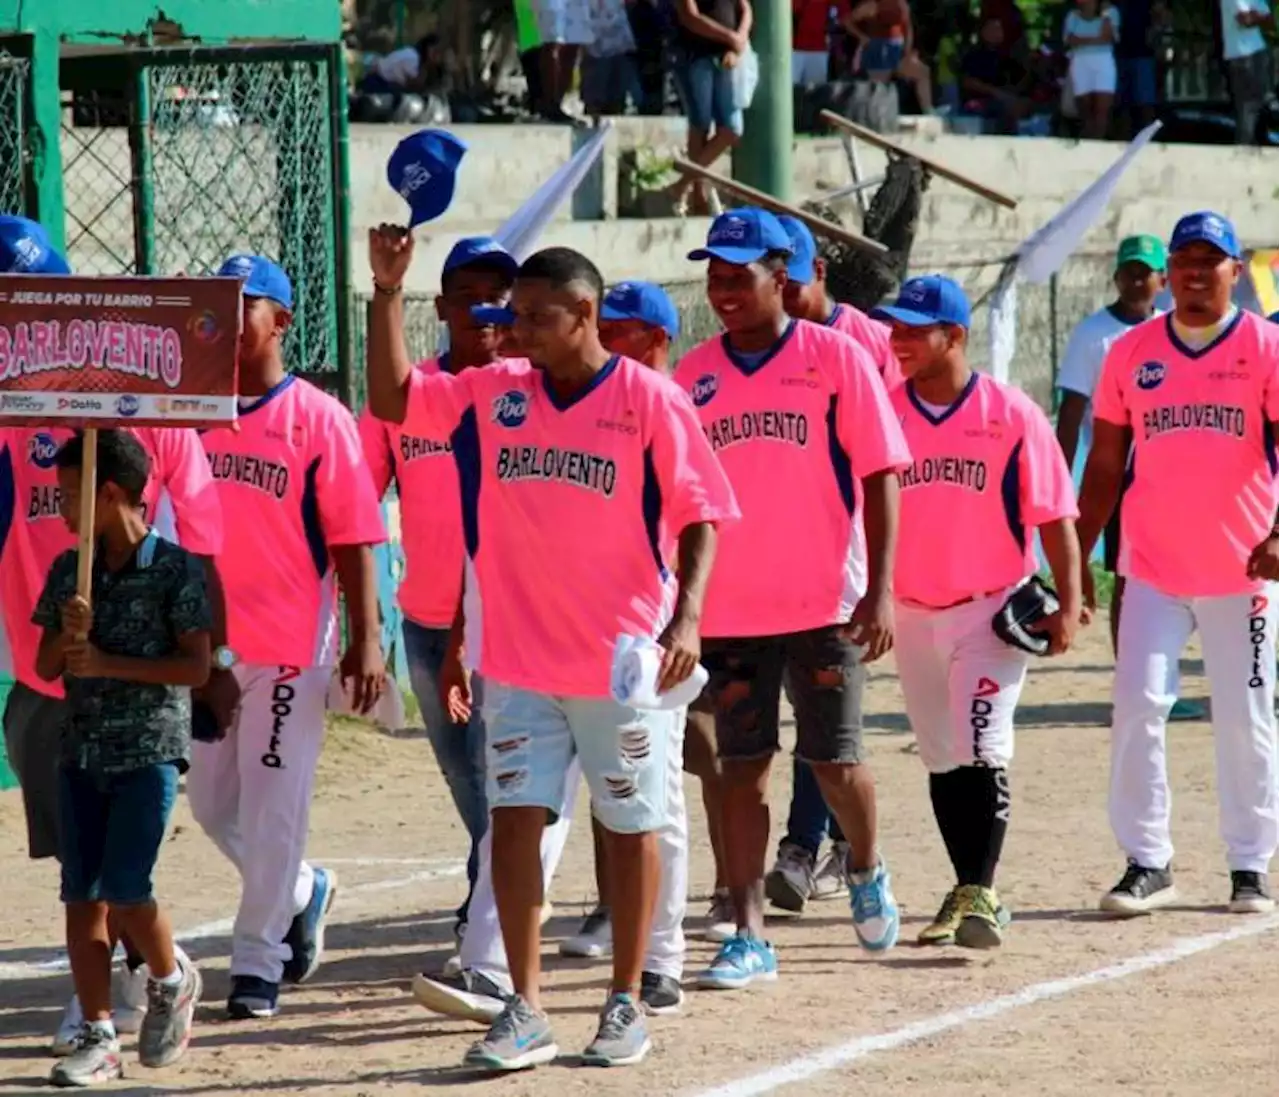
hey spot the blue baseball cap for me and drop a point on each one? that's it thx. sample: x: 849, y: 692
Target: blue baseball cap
x: 929, y: 299
x: 641, y: 301
x: 480, y: 249
x: 804, y: 249
x: 423, y: 170
x: 261, y: 278
x: 25, y: 248
x: 742, y: 236
x: 1207, y: 227
x: 500, y: 316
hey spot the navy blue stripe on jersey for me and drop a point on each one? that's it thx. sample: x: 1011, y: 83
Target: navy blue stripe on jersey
x: 1192, y: 352
x: 311, y: 519
x: 749, y: 364
x: 950, y: 410
x: 8, y: 495
x: 466, y: 456
x: 252, y: 405
x: 651, y: 500
x: 1011, y: 495
x: 1269, y: 442
x: 840, y: 463
x: 566, y: 402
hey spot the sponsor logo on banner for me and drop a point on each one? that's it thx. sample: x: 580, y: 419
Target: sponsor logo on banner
x: 128, y: 405
x: 79, y: 403
x: 23, y: 402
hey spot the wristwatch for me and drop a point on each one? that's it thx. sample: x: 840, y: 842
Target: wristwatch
x: 224, y: 658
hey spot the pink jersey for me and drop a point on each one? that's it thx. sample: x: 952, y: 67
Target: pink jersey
x: 568, y: 512
x: 180, y: 493
x: 984, y: 473
x: 293, y: 484
x: 873, y: 337
x: 795, y: 432
x: 1203, y: 489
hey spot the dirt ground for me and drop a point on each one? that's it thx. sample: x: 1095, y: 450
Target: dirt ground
x: 1184, y: 1017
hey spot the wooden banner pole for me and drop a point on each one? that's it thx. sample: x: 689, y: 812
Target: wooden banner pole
x: 88, y: 499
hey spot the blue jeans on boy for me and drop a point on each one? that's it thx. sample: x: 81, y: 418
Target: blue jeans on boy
x: 810, y: 820
x: 459, y: 748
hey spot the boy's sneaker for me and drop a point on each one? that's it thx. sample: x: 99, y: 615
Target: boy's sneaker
x: 722, y: 922
x: 942, y: 930
x: 1140, y: 891
x: 741, y: 961
x: 129, y: 998
x: 622, y: 1038
x: 520, y: 1038
x: 1249, y: 894
x: 469, y: 996
x: 660, y: 994
x: 94, y: 1058
x: 875, y: 910
x: 982, y: 924
x: 832, y: 876
x: 166, y: 1029
x: 594, y: 940
x: 790, y: 882
x: 252, y: 998
x: 306, y: 931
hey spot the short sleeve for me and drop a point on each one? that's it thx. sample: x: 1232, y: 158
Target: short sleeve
x: 189, y: 601
x: 437, y: 401
x: 1109, y: 404
x: 375, y: 437
x: 350, y: 513
x: 184, y: 474
x: 866, y: 426
x: 1081, y: 362
x: 1270, y: 391
x: 691, y: 482
x: 48, y: 611
x: 1048, y: 492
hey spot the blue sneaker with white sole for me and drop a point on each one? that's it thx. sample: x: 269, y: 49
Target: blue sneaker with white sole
x: 306, y: 931
x: 252, y: 999
x: 875, y: 910
x: 741, y: 961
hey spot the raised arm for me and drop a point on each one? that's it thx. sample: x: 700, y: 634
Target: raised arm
x: 388, y: 367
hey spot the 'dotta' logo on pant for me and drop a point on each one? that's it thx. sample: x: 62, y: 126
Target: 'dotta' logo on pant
x: 1257, y: 639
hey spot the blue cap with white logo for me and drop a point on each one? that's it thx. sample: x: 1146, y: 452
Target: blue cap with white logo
x: 1206, y: 227
x: 641, y: 301
x: 804, y: 249
x: 261, y: 278
x: 742, y: 236
x: 499, y: 316
x: 25, y: 248
x: 929, y: 299
x: 423, y: 170
x: 480, y: 249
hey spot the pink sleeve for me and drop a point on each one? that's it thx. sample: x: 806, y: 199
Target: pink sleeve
x: 1270, y: 394
x: 1048, y: 492
x: 692, y: 484
x: 437, y: 401
x: 186, y: 477
x: 349, y: 509
x: 866, y: 425
x: 886, y: 360
x: 376, y: 440
x: 1108, y: 397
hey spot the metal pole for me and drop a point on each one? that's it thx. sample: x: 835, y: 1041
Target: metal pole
x: 45, y: 199
x: 764, y: 159
x: 144, y: 204
x: 341, y: 222
x: 1053, y: 336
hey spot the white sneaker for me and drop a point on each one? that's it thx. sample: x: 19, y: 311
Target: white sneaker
x: 594, y: 940
x: 65, y: 1039
x: 722, y: 922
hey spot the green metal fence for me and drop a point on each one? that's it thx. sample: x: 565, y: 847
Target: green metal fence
x: 14, y: 74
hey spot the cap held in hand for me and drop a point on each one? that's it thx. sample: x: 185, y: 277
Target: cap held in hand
x: 423, y: 170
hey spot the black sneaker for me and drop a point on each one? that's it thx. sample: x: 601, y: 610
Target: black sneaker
x: 468, y: 996
x: 1140, y: 891
x: 252, y: 998
x: 1249, y: 894
x: 660, y: 994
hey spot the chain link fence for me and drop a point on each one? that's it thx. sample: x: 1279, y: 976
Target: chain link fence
x: 14, y: 73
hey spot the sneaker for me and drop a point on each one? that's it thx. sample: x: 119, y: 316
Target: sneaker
x: 722, y: 921
x: 741, y: 961
x: 875, y: 910
x: 622, y: 1039
x: 660, y: 995
x: 453, y: 965
x: 1249, y: 894
x: 519, y: 1038
x: 94, y: 1058
x: 469, y: 996
x: 252, y: 998
x: 306, y: 931
x: 942, y: 930
x: 166, y: 1030
x: 67, y: 1037
x: 980, y: 924
x: 594, y: 940
x: 1140, y: 891
x: 128, y: 998
x: 832, y: 876
x: 546, y: 914
x: 790, y: 882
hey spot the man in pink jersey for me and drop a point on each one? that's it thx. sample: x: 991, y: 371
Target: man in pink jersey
x: 478, y: 270
x: 180, y: 497
x: 1197, y: 387
x: 292, y: 472
x: 802, y: 425
x: 985, y: 466
x: 575, y: 475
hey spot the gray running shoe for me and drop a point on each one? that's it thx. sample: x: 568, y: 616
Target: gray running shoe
x: 166, y: 1029
x: 622, y: 1038
x: 520, y: 1038
x: 94, y: 1058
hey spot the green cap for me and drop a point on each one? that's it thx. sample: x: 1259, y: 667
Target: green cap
x: 1142, y: 249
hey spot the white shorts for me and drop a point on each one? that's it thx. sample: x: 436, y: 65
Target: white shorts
x: 960, y: 682
x: 1093, y: 73
x: 808, y: 67
x: 566, y: 22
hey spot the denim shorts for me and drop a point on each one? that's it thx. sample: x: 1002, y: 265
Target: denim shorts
x: 706, y: 90
x: 882, y: 54
x: 112, y: 827
x: 532, y: 737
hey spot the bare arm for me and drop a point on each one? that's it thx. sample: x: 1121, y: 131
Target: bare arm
x: 359, y: 583
x: 746, y: 20
x: 697, y: 552
x: 387, y: 364
x: 1062, y: 550
x: 692, y: 20
x: 1070, y: 419
x: 880, y: 521
x: 51, y: 657
x: 1103, y: 476
x: 189, y: 667
x: 217, y: 602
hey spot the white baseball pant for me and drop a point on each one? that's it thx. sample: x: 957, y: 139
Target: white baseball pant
x: 960, y: 683
x: 482, y: 946
x: 251, y: 793
x: 1238, y: 638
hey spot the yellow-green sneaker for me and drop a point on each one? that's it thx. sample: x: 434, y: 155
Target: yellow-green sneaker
x: 983, y: 922
x: 942, y: 930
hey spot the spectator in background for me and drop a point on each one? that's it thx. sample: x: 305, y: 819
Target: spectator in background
x: 1013, y: 29
x: 1250, y: 70
x: 811, y: 27
x: 564, y: 26
x: 1089, y: 34
x: 609, y: 74
x: 1137, y: 87
x: 414, y: 69
x: 993, y: 85
x: 651, y: 24
x: 529, y: 47
x: 886, y: 47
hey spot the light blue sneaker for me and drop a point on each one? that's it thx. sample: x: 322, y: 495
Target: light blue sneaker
x: 875, y: 910
x: 306, y: 931
x: 741, y: 961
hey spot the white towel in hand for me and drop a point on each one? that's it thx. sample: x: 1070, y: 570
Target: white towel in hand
x: 637, y: 662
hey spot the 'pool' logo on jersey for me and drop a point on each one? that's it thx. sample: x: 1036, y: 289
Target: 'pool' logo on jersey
x: 704, y: 388
x: 1258, y: 639
x: 42, y: 450
x: 128, y: 405
x: 511, y: 409
x: 1149, y: 375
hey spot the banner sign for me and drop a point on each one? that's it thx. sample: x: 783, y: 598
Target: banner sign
x: 109, y: 352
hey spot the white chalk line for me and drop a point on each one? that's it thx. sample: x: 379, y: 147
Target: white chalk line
x: 205, y: 930
x: 805, y: 1067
